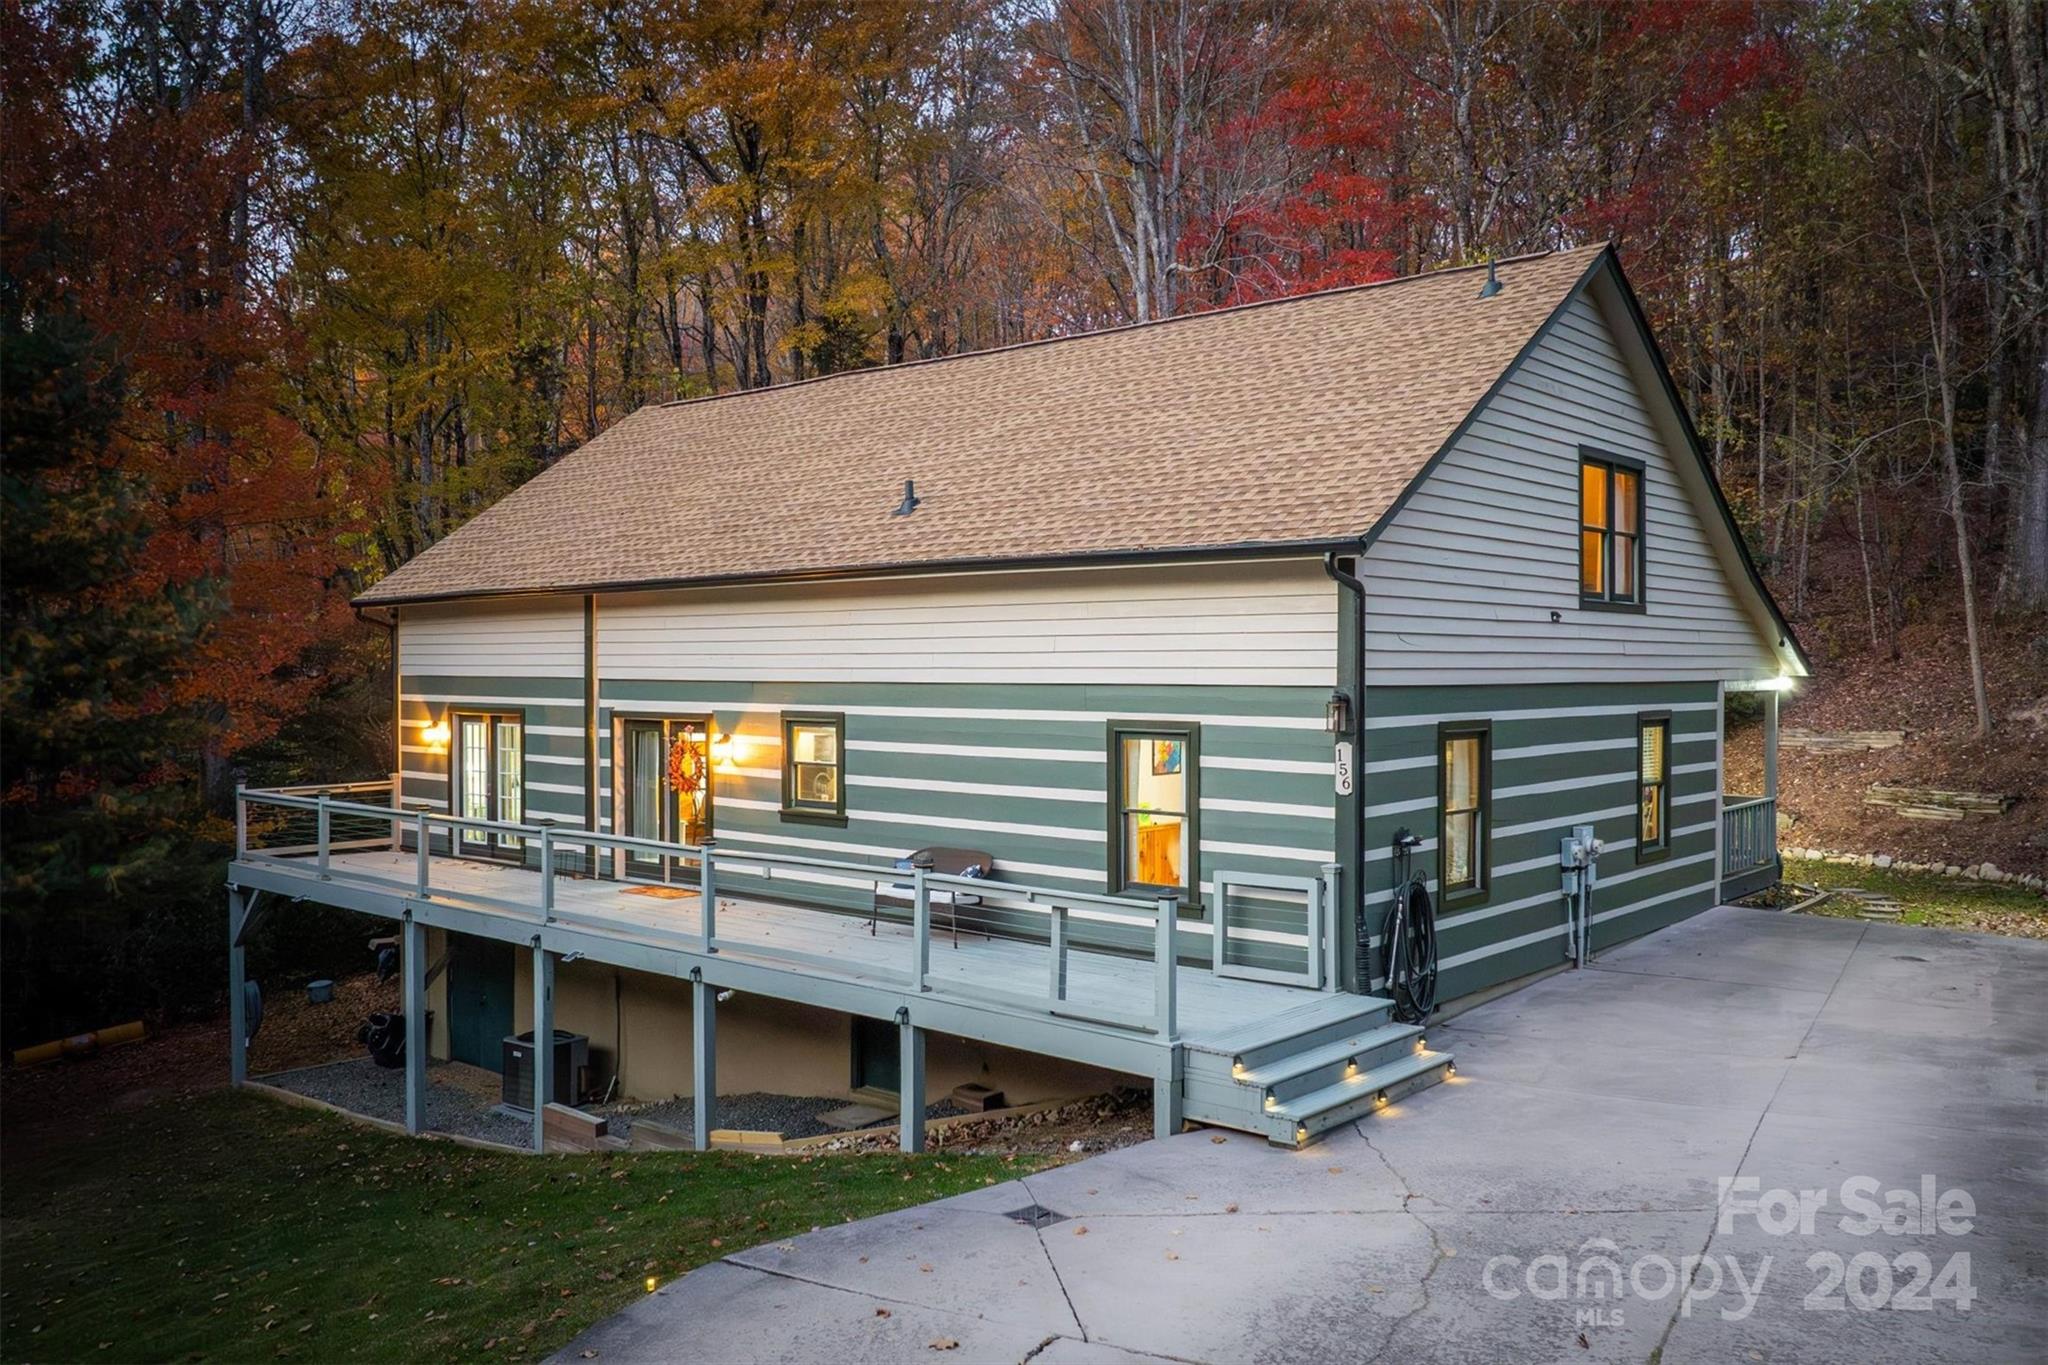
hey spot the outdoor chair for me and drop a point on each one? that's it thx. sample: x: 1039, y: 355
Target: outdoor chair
x: 953, y: 862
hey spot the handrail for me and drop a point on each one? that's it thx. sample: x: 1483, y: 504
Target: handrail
x: 316, y: 788
x: 1749, y: 834
x: 549, y: 839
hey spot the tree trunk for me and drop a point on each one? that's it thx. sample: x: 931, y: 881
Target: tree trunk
x: 1958, y: 513
x: 2029, y: 551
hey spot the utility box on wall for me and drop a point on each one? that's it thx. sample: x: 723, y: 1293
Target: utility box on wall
x: 565, y: 1074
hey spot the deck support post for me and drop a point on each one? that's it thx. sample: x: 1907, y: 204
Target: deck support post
x: 703, y: 1060
x: 238, y: 1014
x: 543, y: 1040
x: 911, y: 1102
x: 1771, y: 743
x: 1166, y: 1094
x: 412, y: 952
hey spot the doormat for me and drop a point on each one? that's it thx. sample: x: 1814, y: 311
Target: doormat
x: 661, y: 893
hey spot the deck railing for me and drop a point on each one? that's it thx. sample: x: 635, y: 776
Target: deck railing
x: 1749, y: 834
x: 291, y: 827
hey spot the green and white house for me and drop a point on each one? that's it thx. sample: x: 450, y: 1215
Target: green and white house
x: 1182, y: 625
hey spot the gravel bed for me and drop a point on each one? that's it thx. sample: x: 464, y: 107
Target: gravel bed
x: 793, y: 1116
x: 363, y: 1087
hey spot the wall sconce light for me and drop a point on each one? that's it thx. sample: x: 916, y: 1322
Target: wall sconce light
x: 1337, y: 714
x: 436, y: 736
x: 721, y: 749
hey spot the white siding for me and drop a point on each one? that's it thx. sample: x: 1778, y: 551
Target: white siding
x: 1240, y: 623
x: 540, y: 637
x: 1461, y: 584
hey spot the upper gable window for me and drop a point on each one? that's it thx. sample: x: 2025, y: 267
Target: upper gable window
x: 1610, y: 531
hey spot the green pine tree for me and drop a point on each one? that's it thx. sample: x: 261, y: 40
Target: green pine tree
x: 102, y: 877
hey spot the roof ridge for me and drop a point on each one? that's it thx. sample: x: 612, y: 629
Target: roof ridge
x: 1121, y: 327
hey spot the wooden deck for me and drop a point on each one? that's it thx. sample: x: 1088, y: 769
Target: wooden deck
x: 1230, y: 1047
x: 829, y: 944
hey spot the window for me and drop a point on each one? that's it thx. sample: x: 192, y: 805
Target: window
x: 1653, y: 786
x: 813, y: 780
x: 1464, y: 780
x: 1153, y: 835
x: 490, y: 779
x: 1610, y: 532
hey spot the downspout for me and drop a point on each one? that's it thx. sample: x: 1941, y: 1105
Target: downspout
x: 1361, y: 942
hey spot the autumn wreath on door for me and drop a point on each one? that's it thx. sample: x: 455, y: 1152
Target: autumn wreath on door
x: 688, y: 773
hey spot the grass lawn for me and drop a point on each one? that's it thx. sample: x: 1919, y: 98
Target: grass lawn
x: 236, y: 1227
x: 1930, y: 898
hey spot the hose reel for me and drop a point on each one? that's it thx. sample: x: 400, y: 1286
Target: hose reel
x: 1408, y: 940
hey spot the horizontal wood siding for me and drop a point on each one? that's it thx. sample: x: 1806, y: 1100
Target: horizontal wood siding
x: 540, y: 637
x: 976, y: 710
x: 551, y: 710
x: 1232, y: 624
x: 1562, y: 755
x: 1461, y: 584
x: 1020, y: 771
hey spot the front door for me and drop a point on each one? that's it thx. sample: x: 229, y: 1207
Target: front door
x: 667, y: 791
x: 479, y: 1000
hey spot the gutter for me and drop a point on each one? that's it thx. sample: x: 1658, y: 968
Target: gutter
x: 1273, y: 549
x: 1361, y: 949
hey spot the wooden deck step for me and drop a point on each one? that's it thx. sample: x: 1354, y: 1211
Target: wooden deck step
x: 1295, y: 1074
x: 1355, y: 1096
x: 1305, y: 1072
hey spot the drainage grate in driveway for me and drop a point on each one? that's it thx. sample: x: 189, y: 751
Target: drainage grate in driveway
x: 1037, y: 1215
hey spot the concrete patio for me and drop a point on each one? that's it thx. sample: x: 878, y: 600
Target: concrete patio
x: 1593, y: 1120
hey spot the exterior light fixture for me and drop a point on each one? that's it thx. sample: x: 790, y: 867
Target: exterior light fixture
x: 721, y: 748
x: 1337, y: 713
x: 436, y: 737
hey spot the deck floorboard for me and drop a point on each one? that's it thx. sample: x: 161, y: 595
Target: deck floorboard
x: 1212, y: 1011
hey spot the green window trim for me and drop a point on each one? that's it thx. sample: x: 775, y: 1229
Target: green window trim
x: 813, y: 809
x: 1189, y: 735
x: 1653, y: 788
x: 1613, y: 533
x: 1466, y: 894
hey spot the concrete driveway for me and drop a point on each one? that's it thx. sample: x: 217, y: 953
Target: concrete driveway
x: 1561, y: 1199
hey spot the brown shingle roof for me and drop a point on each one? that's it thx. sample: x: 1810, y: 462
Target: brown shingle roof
x: 1296, y: 422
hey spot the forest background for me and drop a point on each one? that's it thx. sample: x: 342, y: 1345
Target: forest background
x: 291, y: 289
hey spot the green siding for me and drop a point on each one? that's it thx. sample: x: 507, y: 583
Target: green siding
x: 1054, y: 834
x: 1518, y: 927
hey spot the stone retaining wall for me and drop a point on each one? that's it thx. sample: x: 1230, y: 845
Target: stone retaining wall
x: 1976, y: 872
